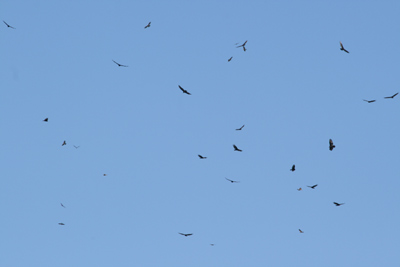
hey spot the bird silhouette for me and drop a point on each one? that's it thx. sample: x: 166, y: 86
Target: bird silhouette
x: 185, y: 234
x: 64, y: 143
x: 230, y: 59
x: 236, y: 148
x: 338, y: 204
x: 313, y: 186
x: 300, y: 231
x: 391, y: 96
x: 183, y: 90
x: 369, y: 101
x: 62, y: 205
x: 293, y: 168
x: 232, y: 181
x: 331, y: 145
x: 46, y: 120
x: 299, y: 189
x: 105, y: 174
x: 239, y: 129
x: 243, y: 45
x: 148, y: 25
x: 201, y: 157
x: 9, y: 26
x: 119, y: 65
x: 342, y: 48
x: 76, y: 147
x: 61, y: 223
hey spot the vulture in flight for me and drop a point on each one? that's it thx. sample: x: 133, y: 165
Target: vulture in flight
x: 392, y: 96
x: 232, y: 181
x: 46, y: 120
x: 338, y: 204
x: 61, y: 223
x: 369, y: 101
x: 201, y: 157
x: 243, y: 45
x: 185, y: 234
x: 236, y: 148
x: 299, y: 189
x: 293, y: 168
x: 331, y: 145
x: 230, y: 59
x: 9, y: 26
x: 300, y: 231
x: 119, y: 65
x: 76, y: 147
x: 184, y: 91
x: 64, y: 143
x: 148, y: 25
x: 342, y: 48
x: 62, y: 205
x: 313, y: 186
x: 239, y: 129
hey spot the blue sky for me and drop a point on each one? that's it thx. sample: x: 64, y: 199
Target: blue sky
x: 293, y: 89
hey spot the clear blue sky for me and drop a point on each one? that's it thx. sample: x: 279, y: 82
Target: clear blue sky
x: 293, y: 89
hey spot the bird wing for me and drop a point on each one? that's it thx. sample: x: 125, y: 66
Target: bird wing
x: 228, y: 179
x: 330, y: 142
x: 244, y: 43
x: 115, y: 62
x: 235, y: 147
x: 341, y: 45
x: 394, y: 95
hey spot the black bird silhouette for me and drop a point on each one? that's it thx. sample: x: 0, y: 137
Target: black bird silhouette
x: 293, y: 168
x: 200, y: 156
x: 338, y: 204
x: 300, y: 231
x: 119, y: 65
x: 369, y: 101
x: 185, y: 234
x: 76, y: 147
x: 313, y: 186
x: 236, y: 148
x: 61, y: 223
x: 211, y: 244
x: 243, y: 45
x: 64, y: 143
x: 392, y: 95
x: 184, y: 91
x: 239, y: 129
x: 148, y: 25
x: 62, y: 205
x: 232, y: 181
x: 331, y: 145
x: 230, y: 59
x: 299, y: 189
x: 46, y: 120
x: 342, y: 48
x: 8, y: 25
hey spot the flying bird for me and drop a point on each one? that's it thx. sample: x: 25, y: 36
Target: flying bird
x: 61, y: 223
x: 105, y: 174
x: 76, y: 147
x: 300, y: 231
x: 201, y: 157
x: 119, y: 65
x: 46, y: 120
x: 243, y: 45
x: 236, y: 148
x: 370, y: 101
x: 331, y: 145
x: 232, y: 181
x: 184, y: 91
x: 239, y: 129
x: 313, y: 186
x: 62, y: 205
x: 338, y: 204
x: 299, y: 189
x: 342, y: 48
x: 185, y: 234
x: 64, y: 143
x: 211, y: 244
x: 293, y: 168
x: 8, y: 25
x: 148, y: 25
x: 230, y: 59
x: 392, y: 95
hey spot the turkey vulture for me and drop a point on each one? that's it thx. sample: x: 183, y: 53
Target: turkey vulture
x: 300, y: 231
x: 62, y: 205
x: 331, y: 145
x: 61, y: 223
x: 342, y: 48
x: 232, y: 181
x: 46, y: 120
x: 338, y: 204
x: 369, y: 101
x: 230, y: 59
x: 8, y: 25
x: 148, y: 25
x: 184, y: 91
x: 64, y: 143
x: 119, y: 65
x: 185, y: 234
x: 313, y: 186
x: 293, y: 168
x: 239, y: 129
x: 201, y: 157
x: 243, y: 45
x: 299, y: 189
x: 76, y: 147
x: 105, y: 174
x: 236, y: 148
x: 392, y: 95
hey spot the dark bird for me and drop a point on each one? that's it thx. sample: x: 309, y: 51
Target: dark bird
x: 313, y: 187
x: 184, y: 91
x: 76, y: 147
x: 64, y: 143
x: 299, y: 189
x: 338, y: 204
x: 236, y: 148
x: 232, y: 181
x: 230, y: 59
x: 243, y: 45
x: 46, y: 120
x: 392, y: 95
x: 62, y: 205
x: 201, y: 157
x: 148, y: 25
x: 61, y: 223
x: 239, y: 129
x: 8, y: 25
x: 185, y: 234
x: 331, y: 145
x: 119, y: 65
x: 300, y: 231
x: 105, y: 174
x: 293, y: 168
x: 211, y: 244
x: 342, y: 48
x: 369, y: 101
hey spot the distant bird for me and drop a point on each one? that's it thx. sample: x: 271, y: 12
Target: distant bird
x: 232, y: 181
x: 300, y: 231
x: 331, y: 145
x: 184, y: 91
x: 61, y: 223
x: 105, y: 174
x: 148, y: 25
x: 293, y: 168
x: 62, y: 205
x: 119, y: 65
x: 338, y: 204
x: 243, y: 45
x: 369, y: 101
x: 230, y: 59
x: 8, y: 25
x: 342, y: 48
x: 313, y: 186
x: 239, y: 129
x: 46, y: 120
x: 77, y: 147
x: 236, y: 148
x: 299, y: 189
x: 211, y: 244
x: 64, y: 143
x: 201, y: 157
x: 392, y: 95
x: 185, y: 234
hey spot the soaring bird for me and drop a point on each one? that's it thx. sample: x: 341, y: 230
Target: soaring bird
x: 183, y: 90
x: 236, y: 148
x: 331, y: 145
x: 148, y: 25
x: 64, y: 143
x: 293, y: 168
x: 369, y: 101
x: 342, y: 48
x: 201, y: 157
x: 105, y: 174
x: 239, y: 129
x: 62, y: 205
x: 338, y: 204
x: 243, y: 45
x: 313, y: 186
x: 232, y: 181
x: 119, y: 65
x: 46, y: 120
x: 300, y: 231
x: 185, y: 234
x: 299, y: 189
x: 61, y: 223
x: 8, y: 25
x: 230, y: 59
x: 392, y: 95
x: 76, y: 147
